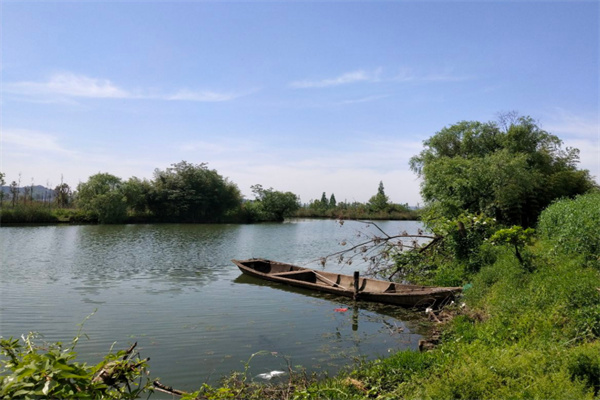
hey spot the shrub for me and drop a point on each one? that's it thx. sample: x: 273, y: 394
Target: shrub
x: 30, y: 370
x: 573, y: 227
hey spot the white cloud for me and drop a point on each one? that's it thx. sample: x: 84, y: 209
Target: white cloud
x: 404, y: 75
x: 69, y: 85
x: 344, y: 79
x: 581, y: 131
x: 202, y: 96
x: 563, y: 122
x: 27, y: 140
x: 408, y: 75
x: 366, y: 99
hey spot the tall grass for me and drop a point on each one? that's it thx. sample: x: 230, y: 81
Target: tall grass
x: 29, y: 213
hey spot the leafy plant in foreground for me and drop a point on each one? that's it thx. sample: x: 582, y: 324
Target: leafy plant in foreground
x: 31, y: 370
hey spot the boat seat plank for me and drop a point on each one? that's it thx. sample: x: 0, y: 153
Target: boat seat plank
x: 288, y: 273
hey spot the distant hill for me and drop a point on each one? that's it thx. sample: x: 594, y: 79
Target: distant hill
x: 39, y: 192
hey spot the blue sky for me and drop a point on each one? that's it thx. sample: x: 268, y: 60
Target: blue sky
x: 304, y: 96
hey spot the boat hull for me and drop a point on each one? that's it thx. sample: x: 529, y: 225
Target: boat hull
x: 343, y: 285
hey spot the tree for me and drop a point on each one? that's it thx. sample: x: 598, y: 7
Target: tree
x: 63, y: 194
x: 137, y: 193
x: 2, y: 183
x: 324, y: 201
x: 192, y: 193
x: 332, y: 201
x: 14, y: 192
x: 277, y: 205
x: 510, y: 174
x: 27, y: 194
x: 380, y: 201
x: 102, y: 196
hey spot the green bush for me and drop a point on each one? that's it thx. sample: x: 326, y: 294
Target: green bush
x: 33, y: 371
x: 573, y: 227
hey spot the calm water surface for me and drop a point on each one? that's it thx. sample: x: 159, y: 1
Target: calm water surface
x: 174, y: 290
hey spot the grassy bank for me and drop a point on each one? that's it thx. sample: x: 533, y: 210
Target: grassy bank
x: 522, y: 335
x: 39, y: 213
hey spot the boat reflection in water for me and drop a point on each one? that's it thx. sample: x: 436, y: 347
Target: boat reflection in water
x: 395, y: 320
x: 405, y: 295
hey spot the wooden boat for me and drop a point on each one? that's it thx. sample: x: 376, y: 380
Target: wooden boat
x: 363, y: 289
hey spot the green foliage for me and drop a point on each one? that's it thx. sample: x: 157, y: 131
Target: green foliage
x: 380, y: 201
x: 332, y: 201
x: 63, y: 195
x: 355, y: 210
x: 2, y: 183
x: 276, y: 205
x: 386, y: 375
x: 324, y: 202
x: 103, y: 197
x: 511, y: 175
x: 137, y: 192
x: 28, y: 213
x: 573, y: 227
x: 517, y: 237
x: 192, y: 193
x: 33, y: 371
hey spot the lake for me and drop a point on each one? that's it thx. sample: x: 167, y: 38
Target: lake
x: 173, y: 289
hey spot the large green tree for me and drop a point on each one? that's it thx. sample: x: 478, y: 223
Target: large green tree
x: 275, y: 204
x: 509, y: 171
x: 380, y: 201
x: 189, y: 192
x: 103, y: 197
x: 137, y: 193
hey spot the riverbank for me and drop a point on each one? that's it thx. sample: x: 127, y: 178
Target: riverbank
x: 39, y: 213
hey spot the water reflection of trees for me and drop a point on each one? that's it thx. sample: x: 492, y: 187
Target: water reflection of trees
x: 162, y: 257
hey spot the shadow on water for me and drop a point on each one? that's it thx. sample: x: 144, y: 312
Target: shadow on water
x: 411, y: 319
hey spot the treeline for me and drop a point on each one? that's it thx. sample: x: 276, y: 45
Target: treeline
x: 184, y: 192
x: 378, y: 207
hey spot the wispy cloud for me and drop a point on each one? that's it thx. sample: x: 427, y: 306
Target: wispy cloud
x: 366, y: 99
x: 581, y: 131
x: 564, y: 122
x: 28, y: 140
x: 409, y: 75
x: 344, y: 79
x: 376, y: 75
x: 68, y: 85
x: 202, y: 96
x: 219, y: 146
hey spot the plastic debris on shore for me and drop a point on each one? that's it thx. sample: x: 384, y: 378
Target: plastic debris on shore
x: 342, y: 309
x: 270, y: 375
